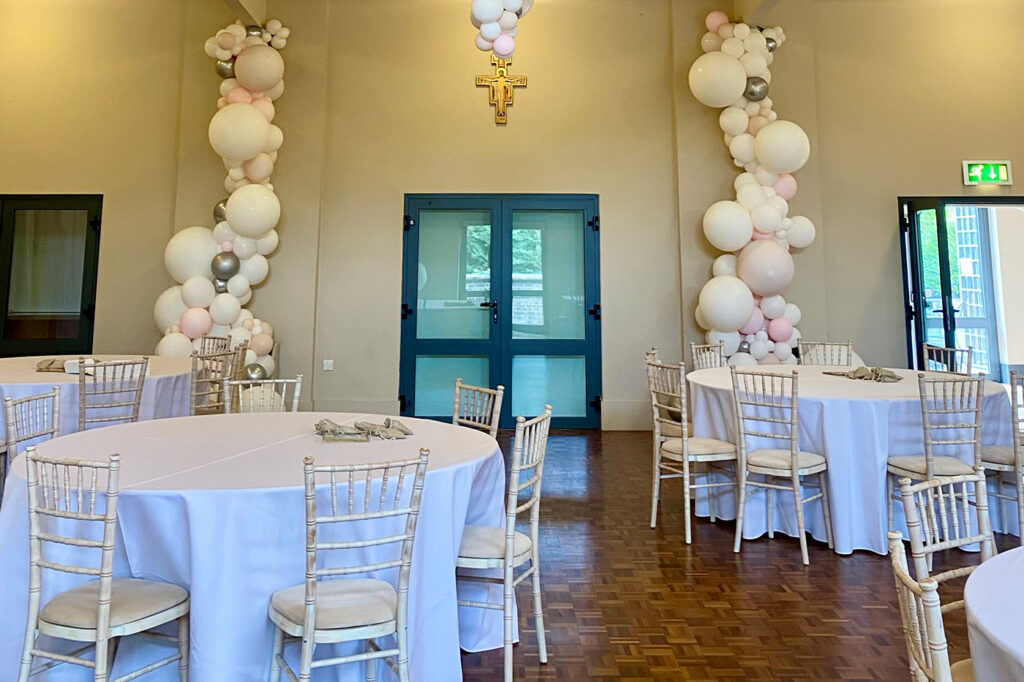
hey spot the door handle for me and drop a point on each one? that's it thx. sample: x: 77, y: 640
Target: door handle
x: 493, y: 305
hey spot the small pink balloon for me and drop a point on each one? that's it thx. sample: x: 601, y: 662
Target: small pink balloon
x: 267, y: 329
x: 222, y: 102
x: 504, y: 46
x: 715, y: 19
x: 754, y: 323
x: 261, y: 344
x: 780, y: 329
x: 239, y: 95
x: 758, y: 234
x: 265, y: 107
x: 785, y: 186
x: 175, y: 329
x: 756, y: 123
x: 247, y: 324
x: 227, y: 247
x: 195, y: 322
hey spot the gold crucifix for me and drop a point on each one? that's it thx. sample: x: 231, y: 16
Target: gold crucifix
x: 502, y: 87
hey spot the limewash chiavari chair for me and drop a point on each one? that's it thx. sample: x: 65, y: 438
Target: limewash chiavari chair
x: 262, y: 395
x: 923, y: 631
x: 674, y: 455
x: 1001, y: 459
x: 110, y: 386
x: 672, y: 423
x: 484, y: 547
x: 950, y: 410
x: 208, y: 371
x: 826, y: 352
x: 66, y: 494
x: 941, y: 359
x: 708, y: 355
x: 477, y: 407
x: 332, y: 607
x: 28, y: 419
x: 939, y: 517
x: 766, y: 406
x: 213, y: 344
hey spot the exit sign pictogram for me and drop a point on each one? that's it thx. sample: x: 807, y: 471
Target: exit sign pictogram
x: 987, y: 173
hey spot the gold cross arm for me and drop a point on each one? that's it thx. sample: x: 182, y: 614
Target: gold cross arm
x: 502, y: 88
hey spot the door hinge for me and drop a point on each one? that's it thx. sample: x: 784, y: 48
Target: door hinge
x: 596, y: 403
x: 408, y: 222
x: 95, y: 224
x: 596, y: 311
x: 402, y: 403
x: 406, y: 311
x: 595, y: 223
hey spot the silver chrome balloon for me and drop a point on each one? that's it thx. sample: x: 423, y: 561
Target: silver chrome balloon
x: 220, y: 211
x: 220, y: 286
x: 254, y: 30
x: 771, y: 44
x: 744, y: 347
x: 224, y: 265
x: 225, y: 69
x: 255, y: 372
x: 756, y: 90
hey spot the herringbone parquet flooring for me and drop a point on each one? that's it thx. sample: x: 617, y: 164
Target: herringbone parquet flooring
x: 625, y: 602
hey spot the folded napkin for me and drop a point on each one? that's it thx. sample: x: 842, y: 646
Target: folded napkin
x: 879, y: 374
x: 391, y: 429
x: 50, y: 365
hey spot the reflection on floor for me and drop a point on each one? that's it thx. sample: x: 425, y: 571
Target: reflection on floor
x: 625, y: 602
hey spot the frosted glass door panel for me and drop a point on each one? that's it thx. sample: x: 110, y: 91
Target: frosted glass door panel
x: 435, y: 381
x: 558, y: 380
x: 548, y: 275
x: 454, y: 275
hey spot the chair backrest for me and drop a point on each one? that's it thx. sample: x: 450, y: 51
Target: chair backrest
x: 705, y: 356
x: 379, y: 499
x: 526, y: 473
x: 921, y: 615
x: 951, y: 416
x: 213, y: 344
x: 262, y: 395
x: 32, y: 417
x: 110, y: 391
x: 667, y: 386
x: 1017, y: 418
x: 477, y: 407
x: 947, y: 513
x: 766, y: 407
x: 942, y: 359
x: 208, y: 373
x: 825, y: 352
x: 651, y: 354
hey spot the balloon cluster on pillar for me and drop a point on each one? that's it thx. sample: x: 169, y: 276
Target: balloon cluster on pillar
x: 498, y: 24
x: 216, y: 269
x: 742, y: 305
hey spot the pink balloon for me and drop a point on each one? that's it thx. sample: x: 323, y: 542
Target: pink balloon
x: 227, y: 247
x: 265, y: 107
x: 758, y: 234
x: 195, y: 322
x: 261, y: 344
x: 756, y: 123
x: 754, y: 323
x: 785, y: 186
x: 504, y: 46
x: 780, y: 329
x: 715, y: 19
x: 239, y: 95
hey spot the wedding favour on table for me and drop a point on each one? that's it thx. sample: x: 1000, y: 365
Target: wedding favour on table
x: 879, y: 374
x: 73, y: 366
x: 361, y: 432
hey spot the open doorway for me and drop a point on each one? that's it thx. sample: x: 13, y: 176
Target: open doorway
x: 958, y: 261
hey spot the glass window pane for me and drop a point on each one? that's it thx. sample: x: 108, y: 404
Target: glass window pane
x: 435, y: 381
x: 454, y: 275
x: 931, y: 286
x: 547, y: 275
x: 47, y: 264
x: 558, y: 380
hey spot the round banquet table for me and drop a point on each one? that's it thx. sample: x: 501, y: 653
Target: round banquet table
x: 856, y: 425
x: 994, y: 604
x: 216, y: 504
x: 165, y: 393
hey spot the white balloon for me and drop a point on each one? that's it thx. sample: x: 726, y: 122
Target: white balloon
x: 761, y: 335
x: 512, y: 5
x: 274, y: 92
x: 770, y: 359
x: 242, y: 317
x: 244, y: 247
x: 726, y: 302
x: 711, y: 42
x: 782, y: 147
x: 253, y: 210
x: 753, y: 63
x: 733, y: 120
x: 730, y: 341
x: 773, y: 306
x: 743, y: 179
x: 765, y: 176
x: 222, y: 232
x: 750, y: 195
x: 175, y: 345
x: 793, y: 314
x: 487, y: 10
x: 759, y: 349
x: 490, y: 30
x: 527, y: 5
x: 779, y: 204
x: 727, y: 226
x: 189, y: 252
x: 716, y: 79
x: 238, y: 286
x: 783, y: 351
x: 259, y: 168
x: 225, y: 308
x: 698, y: 315
x: 742, y: 360
x: 238, y: 131
x: 724, y: 265
x: 800, y: 232
x: 268, y: 364
x: 250, y: 356
x: 752, y: 108
x: 168, y: 308
x: 508, y: 20
x: 483, y: 44
x: 794, y: 340
x: 267, y: 243
x: 742, y: 147
x: 765, y: 218
x: 259, y: 68
x: 274, y: 139
x: 255, y: 269
x: 766, y: 267
x: 227, y: 85
x: 733, y: 47
x: 239, y: 335
x: 197, y: 292
x: 741, y: 31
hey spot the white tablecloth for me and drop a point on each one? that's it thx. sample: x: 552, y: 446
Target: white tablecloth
x: 215, y: 504
x: 165, y: 393
x: 995, y: 602
x: 856, y: 425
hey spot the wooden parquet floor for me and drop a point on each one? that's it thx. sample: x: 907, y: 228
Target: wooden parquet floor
x: 625, y: 602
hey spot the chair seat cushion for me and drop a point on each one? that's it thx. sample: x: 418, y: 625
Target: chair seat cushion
x: 340, y: 603
x: 130, y: 600
x: 675, y: 430
x: 997, y: 454
x: 488, y: 542
x: 941, y: 465
x: 697, y: 446
x: 771, y: 458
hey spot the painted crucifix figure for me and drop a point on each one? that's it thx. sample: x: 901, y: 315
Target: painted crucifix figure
x: 502, y: 87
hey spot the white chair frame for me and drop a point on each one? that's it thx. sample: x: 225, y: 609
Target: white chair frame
x: 826, y: 352
x: 116, y: 384
x: 771, y: 402
x: 667, y: 385
x: 66, y: 490
x: 996, y: 466
x: 26, y: 419
x: 477, y: 407
x: 942, y: 359
x: 214, y: 344
x: 706, y: 356
x: 528, y: 452
x: 250, y: 395
x: 205, y: 395
x: 349, y: 508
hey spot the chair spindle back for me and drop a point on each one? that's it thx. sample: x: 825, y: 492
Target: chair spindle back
x: 106, y: 387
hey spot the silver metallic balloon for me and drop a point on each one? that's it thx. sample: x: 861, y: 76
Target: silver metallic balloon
x: 220, y: 286
x: 771, y: 44
x: 225, y: 69
x: 255, y: 372
x: 757, y: 89
x: 744, y: 347
x: 220, y: 211
x: 254, y: 30
x: 224, y: 265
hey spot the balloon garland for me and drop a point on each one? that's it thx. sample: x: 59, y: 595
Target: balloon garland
x: 498, y: 24
x: 216, y: 269
x: 742, y: 304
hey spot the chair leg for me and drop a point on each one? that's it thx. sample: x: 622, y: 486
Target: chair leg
x: 509, y: 612
x: 798, y: 499
x: 538, y: 608
x: 826, y: 512
x: 741, y: 483
x: 101, y: 672
x: 371, y: 664
x: 686, y: 498
x: 183, y: 642
x: 306, y: 656
x: 769, y: 510
x: 709, y: 478
x: 30, y: 636
x: 1020, y: 504
x: 655, y: 486
x: 889, y: 492
x: 275, y: 667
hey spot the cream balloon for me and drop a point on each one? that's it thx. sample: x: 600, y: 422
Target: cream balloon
x: 238, y: 131
x: 716, y: 79
x: 727, y: 303
x: 733, y: 120
x: 800, y: 232
x: 238, y: 286
x: 782, y: 147
x: 765, y: 267
x: 259, y: 68
x: 727, y: 226
x: 730, y: 341
x: 273, y: 141
x: 773, y: 306
x: 724, y: 265
x: 224, y: 308
x: 189, y: 252
x: 175, y: 345
x: 255, y: 269
x: 267, y: 243
x: 168, y: 308
x: 197, y: 292
x: 253, y: 210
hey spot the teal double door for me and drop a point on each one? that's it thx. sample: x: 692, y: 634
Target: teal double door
x: 502, y: 289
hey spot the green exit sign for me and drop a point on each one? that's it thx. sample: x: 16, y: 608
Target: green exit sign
x: 987, y: 173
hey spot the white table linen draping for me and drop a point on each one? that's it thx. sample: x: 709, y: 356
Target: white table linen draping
x: 856, y: 425
x: 995, y: 602
x: 215, y: 504
x: 165, y: 393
